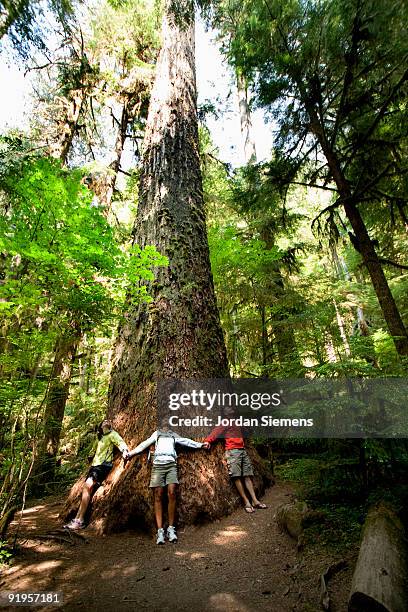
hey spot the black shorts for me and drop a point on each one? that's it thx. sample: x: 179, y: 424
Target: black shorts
x: 100, y: 472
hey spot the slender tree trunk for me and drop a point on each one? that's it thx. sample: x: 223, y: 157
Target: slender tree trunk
x: 361, y: 326
x: 388, y: 306
x: 234, y: 360
x: 67, y: 125
x: 362, y: 322
x: 56, y: 399
x: 283, y: 332
x: 104, y: 186
x: 72, y: 105
x: 67, y: 344
x: 179, y: 334
x: 342, y: 331
x: 330, y: 350
x: 284, y: 336
x: 245, y: 119
x: 265, y: 339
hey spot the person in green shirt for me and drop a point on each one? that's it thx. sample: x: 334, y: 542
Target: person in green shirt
x: 102, y: 464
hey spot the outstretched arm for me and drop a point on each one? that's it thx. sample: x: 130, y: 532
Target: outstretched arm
x: 119, y: 442
x: 188, y: 442
x: 143, y: 445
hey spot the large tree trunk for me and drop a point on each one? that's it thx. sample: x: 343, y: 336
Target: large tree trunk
x: 178, y: 335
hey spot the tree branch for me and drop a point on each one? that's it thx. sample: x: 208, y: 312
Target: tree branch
x: 332, y: 189
x: 383, y: 109
x: 389, y: 262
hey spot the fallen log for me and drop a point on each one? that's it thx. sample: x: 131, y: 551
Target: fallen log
x: 379, y: 580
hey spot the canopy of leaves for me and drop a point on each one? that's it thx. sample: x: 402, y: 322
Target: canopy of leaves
x: 23, y: 22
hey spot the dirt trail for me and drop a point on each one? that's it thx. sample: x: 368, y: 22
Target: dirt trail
x: 242, y: 563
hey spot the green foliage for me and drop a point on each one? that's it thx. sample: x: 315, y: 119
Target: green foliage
x: 141, y: 263
x: 62, y: 270
x: 346, y: 471
x: 301, y: 470
x: 62, y: 255
x: 293, y: 296
x: 332, y: 77
x: 129, y: 32
x: 338, y: 529
x: 318, y: 483
x: 59, y: 248
x: 5, y: 553
x: 251, y: 255
x: 296, y: 282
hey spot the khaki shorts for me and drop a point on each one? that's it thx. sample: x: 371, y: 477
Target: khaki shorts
x: 163, y: 475
x: 239, y: 464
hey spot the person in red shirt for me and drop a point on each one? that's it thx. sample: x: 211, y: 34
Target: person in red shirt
x: 239, y: 464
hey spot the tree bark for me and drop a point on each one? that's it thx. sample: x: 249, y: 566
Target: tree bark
x: 265, y: 338
x: 178, y: 335
x: 284, y: 335
x: 67, y: 344
x: 73, y: 103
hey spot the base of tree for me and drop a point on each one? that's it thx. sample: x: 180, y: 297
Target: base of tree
x: 126, y: 501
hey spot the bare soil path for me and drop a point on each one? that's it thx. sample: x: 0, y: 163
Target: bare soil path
x: 242, y: 563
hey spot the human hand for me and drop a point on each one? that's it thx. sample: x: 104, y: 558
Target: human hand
x: 206, y: 445
x: 125, y: 455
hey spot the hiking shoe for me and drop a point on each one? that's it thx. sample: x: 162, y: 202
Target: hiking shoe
x: 171, y: 534
x: 160, y: 536
x: 75, y: 524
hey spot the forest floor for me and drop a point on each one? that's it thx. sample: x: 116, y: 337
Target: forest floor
x: 242, y: 563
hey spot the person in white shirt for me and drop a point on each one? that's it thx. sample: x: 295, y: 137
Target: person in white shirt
x: 164, y: 474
